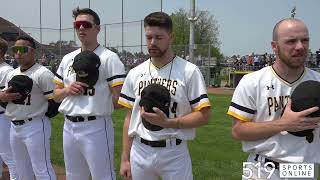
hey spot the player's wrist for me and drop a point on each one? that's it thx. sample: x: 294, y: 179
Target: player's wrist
x: 175, y: 123
x: 279, y: 125
x: 125, y: 156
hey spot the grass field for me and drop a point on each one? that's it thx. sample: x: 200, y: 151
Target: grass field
x: 215, y: 155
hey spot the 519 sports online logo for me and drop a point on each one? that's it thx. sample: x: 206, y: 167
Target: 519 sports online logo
x: 266, y: 170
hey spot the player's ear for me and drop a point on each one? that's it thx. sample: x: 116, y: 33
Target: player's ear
x: 274, y: 46
x: 98, y: 27
x: 172, y: 36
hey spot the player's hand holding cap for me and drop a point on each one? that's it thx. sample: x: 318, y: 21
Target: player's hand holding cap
x: 86, y: 65
x: 20, y: 84
x: 306, y: 95
x: 155, y: 95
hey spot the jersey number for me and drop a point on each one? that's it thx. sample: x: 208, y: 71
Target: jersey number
x: 174, y: 109
x: 27, y: 101
x: 89, y: 91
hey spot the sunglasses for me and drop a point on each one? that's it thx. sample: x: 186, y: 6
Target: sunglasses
x: 21, y: 49
x: 84, y: 24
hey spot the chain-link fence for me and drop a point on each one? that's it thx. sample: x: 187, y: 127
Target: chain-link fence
x: 128, y: 44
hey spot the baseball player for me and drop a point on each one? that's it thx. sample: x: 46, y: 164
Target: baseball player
x: 88, y: 132
x: 30, y: 128
x: 261, y: 96
x: 150, y: 153
x: 5, y: 148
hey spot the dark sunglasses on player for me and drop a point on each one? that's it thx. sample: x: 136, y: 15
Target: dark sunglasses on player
x: 21, y: 49
x: 84, y: 24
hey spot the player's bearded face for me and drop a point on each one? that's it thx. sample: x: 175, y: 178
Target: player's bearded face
x: 292, y: 57
x: 155, y: 51
x: 293, y: 44
x: 158, y: 41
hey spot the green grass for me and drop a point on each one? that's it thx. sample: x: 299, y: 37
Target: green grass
x: 215, y: 155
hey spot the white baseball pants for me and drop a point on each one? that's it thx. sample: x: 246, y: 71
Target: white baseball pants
x: 88, y: 148
x: 31, y: 149
x: 5, y: 147
x: 169, y: 163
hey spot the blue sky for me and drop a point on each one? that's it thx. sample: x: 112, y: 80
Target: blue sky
x: 245, y: 25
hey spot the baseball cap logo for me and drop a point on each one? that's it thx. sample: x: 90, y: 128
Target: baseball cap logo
x: 82, y: 74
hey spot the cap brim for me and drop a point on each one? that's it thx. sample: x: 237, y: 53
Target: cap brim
x: 91, y: 80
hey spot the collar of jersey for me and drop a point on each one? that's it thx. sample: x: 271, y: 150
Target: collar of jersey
x: 24, y: 70
x: 93, y: 49
x: 283, y: 80
x: 163, y: 67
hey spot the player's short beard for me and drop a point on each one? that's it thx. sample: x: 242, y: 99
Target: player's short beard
x: 287, y: 61
x: 160, y: 54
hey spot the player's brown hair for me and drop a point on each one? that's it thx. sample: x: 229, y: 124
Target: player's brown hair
x: 77, y: 11
x: 3, y: 47
x: 27, y: 38
x: 159, y: 19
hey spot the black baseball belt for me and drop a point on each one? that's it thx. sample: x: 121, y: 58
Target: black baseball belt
x: 81, y: 118
x: 161, y: 143
x: 20, y: 122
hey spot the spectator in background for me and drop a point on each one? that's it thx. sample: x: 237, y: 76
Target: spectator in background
x: 256, y: 62
x: 318, y: 57
x: 250, y: 60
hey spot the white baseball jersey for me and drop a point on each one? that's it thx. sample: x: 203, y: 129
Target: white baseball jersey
x: 36, y: 103
x: 261, y: 96
x: 96, y: 101
x: 187, y: 89
x: 5, y: 147
x: 5, y: 69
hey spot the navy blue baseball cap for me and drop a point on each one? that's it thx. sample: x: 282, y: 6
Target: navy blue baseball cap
x: 155, y: 95
x: 86, y: 65
x: 306, y: 95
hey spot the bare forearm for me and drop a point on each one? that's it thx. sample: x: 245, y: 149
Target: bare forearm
x: 252, y: 131
x: 126, y: 139
x: 59, y: 94
x: 115, y: 96
x: 115, y: 102
x: 2, y: 99
x: 192, y: 120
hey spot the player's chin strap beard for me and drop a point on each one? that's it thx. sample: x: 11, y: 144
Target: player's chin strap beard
x: 174, y: 57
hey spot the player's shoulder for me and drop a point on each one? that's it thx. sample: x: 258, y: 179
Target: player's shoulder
x: 184, y: 63
x: 255, y: 76
x: 140, y: 68
x: 313, y: 73
x: 70, y: 56
x: 5, y: 67
x: 39, y: 71
x: 105, y: 53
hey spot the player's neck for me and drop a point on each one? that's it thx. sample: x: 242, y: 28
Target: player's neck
x: 89, y: 46
x: 159, y: 62
x: 24, y: 67
x: 286, y: 72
